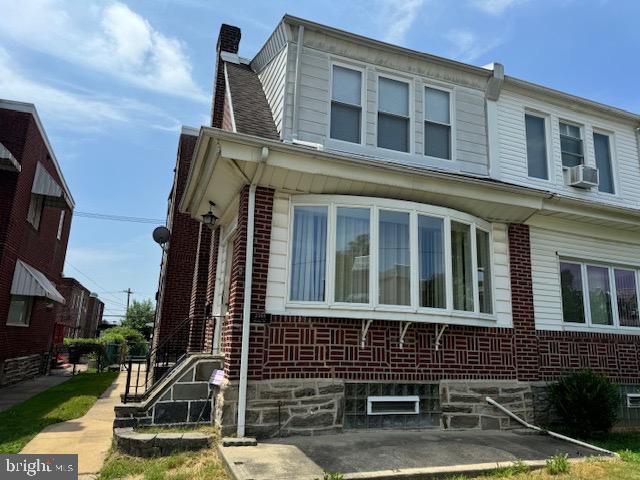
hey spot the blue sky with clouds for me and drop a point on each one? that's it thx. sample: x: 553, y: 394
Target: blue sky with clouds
x: 114, y: 80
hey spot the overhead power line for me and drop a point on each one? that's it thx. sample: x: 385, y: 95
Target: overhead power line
x: 102, y: 290
x: 117, y: 218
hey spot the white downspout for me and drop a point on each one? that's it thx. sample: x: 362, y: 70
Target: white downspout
x: 296, y: 83
x: 246, y: 308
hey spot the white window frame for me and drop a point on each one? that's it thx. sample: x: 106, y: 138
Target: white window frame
x: 452, y: 119
x: 363, y: 102
x: 583, y: 130
x: 547, y: 141
x: 586, y: 302
x: 415, y: 399
x: 612, y: 157
x: 29, y: 310
x: 413, y: 311
x: 411, y: 109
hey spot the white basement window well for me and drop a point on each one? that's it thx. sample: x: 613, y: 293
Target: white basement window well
x: 360, y: 253
x: 390, y: 405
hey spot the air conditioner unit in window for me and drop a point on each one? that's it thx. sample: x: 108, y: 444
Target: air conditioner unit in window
x: 583, y: 176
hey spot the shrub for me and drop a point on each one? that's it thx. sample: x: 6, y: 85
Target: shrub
x: 558, y: 464
x: 587, y: 402
x: 79, y: 347
x: 333, y: 476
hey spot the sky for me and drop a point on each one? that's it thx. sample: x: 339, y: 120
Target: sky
x: 113, y: 81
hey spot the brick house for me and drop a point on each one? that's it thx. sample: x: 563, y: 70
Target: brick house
x: 35, y: 219
x: 398, y: 235
x: 82, y: 311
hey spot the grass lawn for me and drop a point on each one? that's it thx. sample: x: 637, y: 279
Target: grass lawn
x: 628, y: 468
x: 201, y: 465
x: 66, y: 401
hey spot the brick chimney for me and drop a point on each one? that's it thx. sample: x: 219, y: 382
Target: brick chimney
x: 228, y: 41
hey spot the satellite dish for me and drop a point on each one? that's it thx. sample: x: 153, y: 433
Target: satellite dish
x: 161, y: 235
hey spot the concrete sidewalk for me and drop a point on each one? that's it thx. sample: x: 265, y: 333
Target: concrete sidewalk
x: 24, y: 390
x: 88, y: 436
x: 388, y: 454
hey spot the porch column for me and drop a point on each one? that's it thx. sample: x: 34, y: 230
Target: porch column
x: 197, y: 310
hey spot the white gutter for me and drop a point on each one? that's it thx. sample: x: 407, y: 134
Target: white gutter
x: 248, y: 280
x: 548, y: 432
x: 296, y: 82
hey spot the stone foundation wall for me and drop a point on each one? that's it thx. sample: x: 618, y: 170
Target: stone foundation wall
x: 14, y: 370
x: 184, y: 398
x: 464, y: 404
x: 283, y: 407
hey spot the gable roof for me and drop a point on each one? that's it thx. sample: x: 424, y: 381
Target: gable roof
x: 250, y: 109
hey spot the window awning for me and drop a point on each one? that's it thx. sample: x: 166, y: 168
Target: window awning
x: 45, y: 185
x: 30, y: 282
x: 7, y: 160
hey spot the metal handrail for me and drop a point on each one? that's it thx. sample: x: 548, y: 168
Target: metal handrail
x: 163, y: 356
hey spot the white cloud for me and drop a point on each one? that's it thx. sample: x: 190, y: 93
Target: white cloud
x: 75, y: 108
x: 106, y: 37
x: 495, y: 7
x: 398, y: 16
x: 467, y: 47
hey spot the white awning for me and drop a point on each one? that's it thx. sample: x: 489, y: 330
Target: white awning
x: 7, y: 160
x: 29, y: 282
x: 45, y: 185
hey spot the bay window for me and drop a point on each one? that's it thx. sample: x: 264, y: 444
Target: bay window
x: 599, y: 295
x: 388, y: 255
x: 308, y: 254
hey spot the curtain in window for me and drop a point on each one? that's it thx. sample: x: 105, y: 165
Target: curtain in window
x: 626, y: 294
x: 352, y: 255
x: 431, y: 259
x: 484, y: 271
x: 599, y: 295
x: 308, y: 257
x: 461, y: 266
x: 572, y: 295
x: 394, y: 260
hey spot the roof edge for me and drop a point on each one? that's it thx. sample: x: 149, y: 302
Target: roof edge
x: 30, y: 108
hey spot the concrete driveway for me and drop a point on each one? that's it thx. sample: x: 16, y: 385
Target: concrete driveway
x: 392, y: 454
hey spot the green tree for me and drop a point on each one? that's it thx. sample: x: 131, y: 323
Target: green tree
x: 140, y: 317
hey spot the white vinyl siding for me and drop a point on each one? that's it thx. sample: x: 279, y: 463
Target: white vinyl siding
x: 555, y: 241
x: 277, y: 282
x: 512, y: 167
x: 468, y: 135
x: 273, y: 78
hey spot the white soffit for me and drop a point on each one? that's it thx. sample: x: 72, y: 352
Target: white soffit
x: 30, y: 282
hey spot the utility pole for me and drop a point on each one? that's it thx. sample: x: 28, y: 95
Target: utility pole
x: 128, y: 291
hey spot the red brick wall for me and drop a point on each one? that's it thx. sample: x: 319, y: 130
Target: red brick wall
x: 19, y: 240
x: 197, y: 308
x: 176, y: 281
x: 211, y: 284
x: 302, y: 347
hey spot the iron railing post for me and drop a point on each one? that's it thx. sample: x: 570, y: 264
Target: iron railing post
x: 126, y: 389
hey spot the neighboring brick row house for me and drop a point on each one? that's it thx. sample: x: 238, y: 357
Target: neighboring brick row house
x: 398, y: 235
x: 35, y: 218
x: 81, y: 314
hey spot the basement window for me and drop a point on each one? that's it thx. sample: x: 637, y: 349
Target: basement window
x: 633, y: 400
x: 389, y: 405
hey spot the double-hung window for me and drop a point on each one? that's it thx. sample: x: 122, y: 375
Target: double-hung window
x: 381, y: 254
x: 571, y: 145
x: 346, y: 104
x: 437, y: 123
x: 537, y: 165
x: 599, y: 295
x: 19, y: 310
x: 36, y: 206
x: 602, y: 147
x: 393, y: 114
